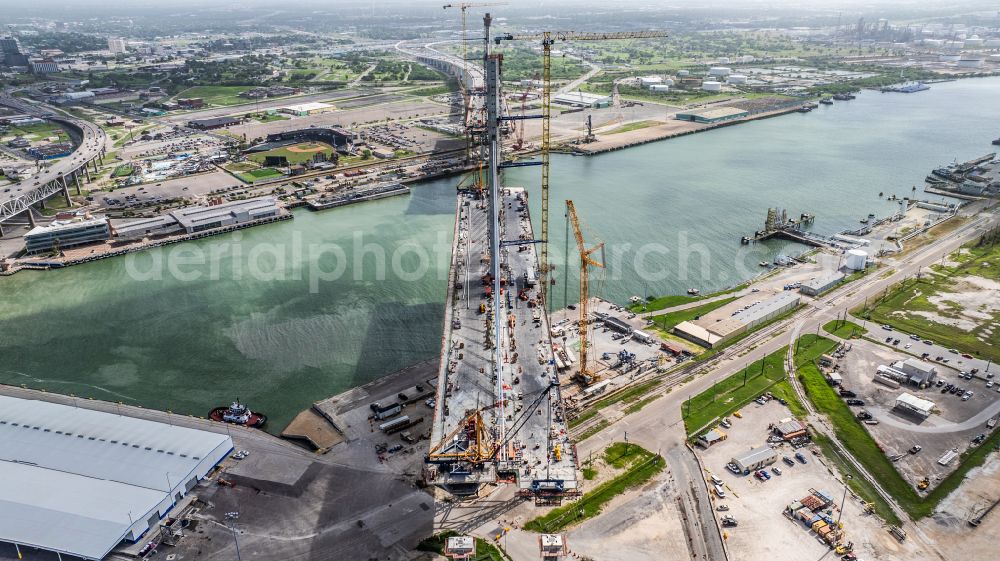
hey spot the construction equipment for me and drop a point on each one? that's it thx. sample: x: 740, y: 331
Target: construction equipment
x: 586, y: 261
x: 463, y: 6
x: 472, y: 442
x: 548, y: 38
x: 923, y: 484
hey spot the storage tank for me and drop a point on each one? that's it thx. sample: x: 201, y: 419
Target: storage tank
x: 748, y: 58
x: 970, y: 63
x: 719, y: 71
x: 949, y: 58
x: 711, y: 86
x: 683, y: 73
x: 668, y: 81
x: 736, y: 79
x: 723, y: 60
x: 856, y: 259
x: 659, y: 88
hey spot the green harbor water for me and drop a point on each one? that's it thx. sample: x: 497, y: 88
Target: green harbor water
x: 259, y: 315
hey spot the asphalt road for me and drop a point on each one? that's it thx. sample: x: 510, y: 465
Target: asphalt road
x: 93, y: 142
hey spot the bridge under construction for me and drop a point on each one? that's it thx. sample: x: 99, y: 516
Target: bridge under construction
x: 498, y: 415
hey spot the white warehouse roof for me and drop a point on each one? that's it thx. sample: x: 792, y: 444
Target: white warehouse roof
x: 915, y: 403
x: 79, y: 481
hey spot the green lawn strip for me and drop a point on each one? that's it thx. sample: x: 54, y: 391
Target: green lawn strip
x: 671, y: 300
x: 627, y: 396
x: 734, y: 392
x: 603, y: 424
x: 123, y: 170
x: 784, y: 390
x: 666, y: 322
x: 850, y: 432
x: 259, y: 174
x: 590, y: 504
x: 844, y: 329
x: 858, y: 484
x: 634, y: 126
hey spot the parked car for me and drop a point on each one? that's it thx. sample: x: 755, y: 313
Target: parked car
x: 967, y: 396
x: 800, y: 457
x: 776, y: 470
x: 787, y: 460
x: 915, y: 448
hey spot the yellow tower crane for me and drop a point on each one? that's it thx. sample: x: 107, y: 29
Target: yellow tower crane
x: 586, y: 261
x: 548, y: 38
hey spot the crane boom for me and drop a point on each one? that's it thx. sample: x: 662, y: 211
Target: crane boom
x: 586, y: 261
x: 548, y: 38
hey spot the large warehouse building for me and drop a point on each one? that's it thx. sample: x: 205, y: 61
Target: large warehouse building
x: 79, y: 482
x: 712, y: 330
x: 712, y: 114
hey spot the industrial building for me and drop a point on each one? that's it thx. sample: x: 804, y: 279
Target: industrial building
x: 196, y: 219
x: 919, y: 373
x: 711, y: 437
x: 910, y: 403
x: 788, y: 429
x: 44, y: 66
x: 755, y: 459
x: 819, y: 285
x: 708, y: 332
x: 65, y: 234
x: 617, y: 324
x: 304, y: 109
x: 78, y: 482
x: 767, y: 310
x: 712, y: 115
x: 214, y: 123
x: 51, y: 151
x: 116, y: 46
x: 582, y: 99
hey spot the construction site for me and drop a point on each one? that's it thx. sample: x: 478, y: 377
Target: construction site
x: 498, y: 414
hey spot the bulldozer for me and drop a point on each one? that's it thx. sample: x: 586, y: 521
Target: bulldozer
x: 843, y: 548
x: 923, y: 484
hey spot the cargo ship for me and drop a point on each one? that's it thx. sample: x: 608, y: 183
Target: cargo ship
x: 238, y: 414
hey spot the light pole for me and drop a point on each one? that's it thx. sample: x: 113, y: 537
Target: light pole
x: 843, y: 502
x: 231, y: 518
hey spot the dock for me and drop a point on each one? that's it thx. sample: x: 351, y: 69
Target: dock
x: 358, y: 195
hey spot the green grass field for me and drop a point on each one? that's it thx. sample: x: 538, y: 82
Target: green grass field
x: 640, y: 466
x: 666, y: 322
x: 734, y: 392
x: 296, y: 154
x: 899, y: 306
x: 260, y: 174
x: 122, y: 171
x: 38, y: 131
x: 844, y: 329
x: 668, y: 301
x: 221, y: 96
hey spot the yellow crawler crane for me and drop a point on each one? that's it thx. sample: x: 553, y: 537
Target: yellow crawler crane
x: 586, y: 261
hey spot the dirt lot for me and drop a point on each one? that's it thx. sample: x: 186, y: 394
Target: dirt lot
x: 949, y: 525
x: 952, y: 426
x: 758, y: 505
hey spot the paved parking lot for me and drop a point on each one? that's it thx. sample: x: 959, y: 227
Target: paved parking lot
x: 952, y: 427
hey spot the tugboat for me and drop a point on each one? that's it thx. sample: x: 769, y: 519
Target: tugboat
x: 996, y: 142
x: 238, y: 414
x: 826, y: 101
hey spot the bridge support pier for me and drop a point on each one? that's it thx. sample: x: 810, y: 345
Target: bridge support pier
x: 87, y: 171
x: 41, y: 203
x: 1, y: 229
x: 76, y: 179
x: 65, y: 190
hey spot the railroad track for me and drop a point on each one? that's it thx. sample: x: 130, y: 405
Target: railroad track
x: 673, y: 378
